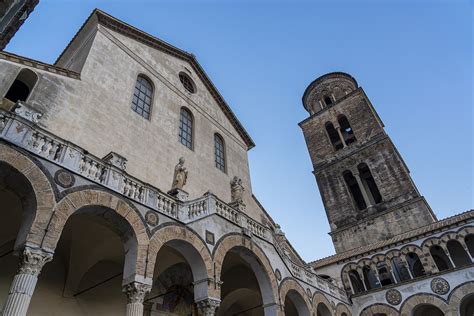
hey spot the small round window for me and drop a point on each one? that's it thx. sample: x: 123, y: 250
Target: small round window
x: 187, y: 82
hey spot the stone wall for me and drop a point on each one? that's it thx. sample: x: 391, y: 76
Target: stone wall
x: 401, y: 208
x: 95, y: 113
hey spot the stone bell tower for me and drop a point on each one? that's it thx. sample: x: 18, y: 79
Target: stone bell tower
x: 364, y: 183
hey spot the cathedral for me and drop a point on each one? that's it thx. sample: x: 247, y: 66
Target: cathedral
x: 125, y: 190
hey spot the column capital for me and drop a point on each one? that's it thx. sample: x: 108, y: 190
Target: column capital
x: 208, y: 306
x: 136, y: 292
x: 32, y: 261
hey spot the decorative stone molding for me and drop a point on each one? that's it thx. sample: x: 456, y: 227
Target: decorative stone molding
x: 25, y: 112
x: 33, y: 260
x: 393, y: 297
x: 64, y: 178
x: 208, y: 306
x: 136, y: 292
x: 116, y: 160
x: 440, y: 286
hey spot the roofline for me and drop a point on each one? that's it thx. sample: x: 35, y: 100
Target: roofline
x: 38, y: 65
x: 318, y: 80
x: 126, y: 29
x: 423, y: 230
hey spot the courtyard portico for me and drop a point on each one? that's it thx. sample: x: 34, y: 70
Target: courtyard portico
x: 85, y: 248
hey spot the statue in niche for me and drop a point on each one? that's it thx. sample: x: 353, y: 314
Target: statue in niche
x: 236, y: 190
x: 180, y: 175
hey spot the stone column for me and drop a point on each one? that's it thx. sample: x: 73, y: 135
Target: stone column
x: 362, y: 189
x: 407, y: 266
x: 362, y: 278
x: 390, y: 269
x: 24, y: 282
x: 135, y: 292
x: 376, y: 275
x: 208, y: 306
x: 338, y: 129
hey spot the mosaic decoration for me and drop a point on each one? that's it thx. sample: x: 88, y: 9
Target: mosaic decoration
x: 393, y: 297
x: 439, y: 286
x: 64, y: 178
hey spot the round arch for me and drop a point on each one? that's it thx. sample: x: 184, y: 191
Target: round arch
x: 425, y: 259
x: 135, y: 260
x: 341, y: 308
x: 379, y: 309
x: 261, y: 266
x: 34, y: 228
x: 458, y: 294
x: 418, y: 300
x: 345, y: 275
x: 466, y: 231
x: 191, y: 247
x: 297, y: 295
x: 319, y: 299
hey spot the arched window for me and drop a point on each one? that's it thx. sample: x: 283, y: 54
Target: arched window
x: 219, y: 152
x: 187, y: 82
x: 346, y: 130
x: 369, y: 183
x: 369, y: 278
x: 457, y: 253
x: 333, y: 136
x: 399, y: 269
x: 353, y: 187
x: 21, y: 88
x: 440, y: 258
x: 356, y: 281
x: 415, y: 265
x: 469, y: 240
x: 186, y: 128
x: 327, y: 100
x: 142, y: 97
x: 384, y: 274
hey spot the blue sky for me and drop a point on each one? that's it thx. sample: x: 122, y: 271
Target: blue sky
x: 413, y: 59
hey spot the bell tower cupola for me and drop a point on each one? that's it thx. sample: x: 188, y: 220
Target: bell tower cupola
x: 364, y: 183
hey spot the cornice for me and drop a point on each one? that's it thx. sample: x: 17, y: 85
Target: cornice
x: 39, y: 65
x: 402, y: 238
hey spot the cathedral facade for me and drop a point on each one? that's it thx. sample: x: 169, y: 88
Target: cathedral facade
x: 125, y: 190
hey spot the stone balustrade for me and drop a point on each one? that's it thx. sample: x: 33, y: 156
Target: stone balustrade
x: 312, y: 278
x: 228, y: 212
x: 27, y: 135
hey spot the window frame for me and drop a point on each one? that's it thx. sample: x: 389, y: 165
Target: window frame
x: 191, y: 117
x: 224, y: 153
x: 152, y: 96
x: 30, y: 93
x: 187, y: 77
